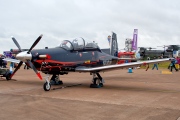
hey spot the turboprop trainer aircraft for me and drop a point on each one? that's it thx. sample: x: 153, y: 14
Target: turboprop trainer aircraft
x: 72, y: 56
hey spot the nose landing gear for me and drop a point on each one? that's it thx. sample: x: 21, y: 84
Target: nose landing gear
x: 47, y: 84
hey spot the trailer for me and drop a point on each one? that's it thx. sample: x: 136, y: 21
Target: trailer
x: 4, y: 72
x: 126, y: 55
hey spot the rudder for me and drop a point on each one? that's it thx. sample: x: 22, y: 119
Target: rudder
x: 114, y: 45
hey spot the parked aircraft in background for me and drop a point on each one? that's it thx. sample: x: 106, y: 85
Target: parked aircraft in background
x: 169, y: 51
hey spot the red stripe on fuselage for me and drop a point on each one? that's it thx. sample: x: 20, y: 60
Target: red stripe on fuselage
x: 58, y: 62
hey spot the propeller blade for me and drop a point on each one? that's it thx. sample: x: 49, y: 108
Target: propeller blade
x: 35, y: 70
x: 19, y: 65
x: 35, y: 43
x: 17, y: 44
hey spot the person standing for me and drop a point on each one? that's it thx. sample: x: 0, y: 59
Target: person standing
x: 1, y: 62
x: 12, y: 64
x: 172, y: 65
x: 26, y: 67
x: 178, y: 62
x: 155, y: 65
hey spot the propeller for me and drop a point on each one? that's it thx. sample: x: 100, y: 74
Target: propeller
x: 19, y: 65
x: 26, y: 56
x: 35, y: 70
x: 35, y: 43
x: 17, y: 44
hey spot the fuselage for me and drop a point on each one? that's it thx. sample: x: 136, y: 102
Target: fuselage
x: 60, y: 59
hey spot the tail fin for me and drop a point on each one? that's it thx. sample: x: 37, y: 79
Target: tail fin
x: 114, y: 45
x: 134, y: 42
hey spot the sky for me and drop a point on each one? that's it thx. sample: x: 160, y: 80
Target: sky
x: 157, y: 21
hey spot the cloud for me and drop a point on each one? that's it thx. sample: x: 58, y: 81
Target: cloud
x: 156, y: 20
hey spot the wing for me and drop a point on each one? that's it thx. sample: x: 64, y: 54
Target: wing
x: 117, y: 66
x: 127, y: 59
x: 11, y: 60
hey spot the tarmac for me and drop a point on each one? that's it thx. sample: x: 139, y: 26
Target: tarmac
x: 141, y: 95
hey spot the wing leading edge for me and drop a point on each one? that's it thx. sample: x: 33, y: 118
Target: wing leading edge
x: 117, y: 66
x: 11, y: 60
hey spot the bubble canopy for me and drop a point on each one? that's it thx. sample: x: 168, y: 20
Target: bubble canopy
x: 77, y: 44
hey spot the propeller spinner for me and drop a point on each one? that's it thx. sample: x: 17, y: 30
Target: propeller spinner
x: 26, y: 56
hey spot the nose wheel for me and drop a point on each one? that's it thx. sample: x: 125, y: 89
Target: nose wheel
x: 47, y: 86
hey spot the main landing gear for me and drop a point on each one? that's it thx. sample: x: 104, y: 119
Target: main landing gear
x: 97, y: 81
x: 53, y: 81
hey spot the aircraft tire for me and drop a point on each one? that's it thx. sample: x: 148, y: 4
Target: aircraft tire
x: 47, y: 86
x: 96, y: 83
x: 94, y: 86
x: 8, y: 76
x: 101, y: 84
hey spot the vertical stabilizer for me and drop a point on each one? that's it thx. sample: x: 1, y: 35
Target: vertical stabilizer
x: 134, y: 42
x: 114, y: 45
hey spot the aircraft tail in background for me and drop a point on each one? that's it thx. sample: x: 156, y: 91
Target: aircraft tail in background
x: 114, y: 45
x: 134, y: 42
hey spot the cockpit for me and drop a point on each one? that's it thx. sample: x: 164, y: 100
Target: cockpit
x: 77, y: 44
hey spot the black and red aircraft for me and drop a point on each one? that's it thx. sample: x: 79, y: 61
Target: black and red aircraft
x: 72, y: 56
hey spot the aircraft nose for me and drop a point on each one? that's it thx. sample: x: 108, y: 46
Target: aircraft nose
x: 24, y: 56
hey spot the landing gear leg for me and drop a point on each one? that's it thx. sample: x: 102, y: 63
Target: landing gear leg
x: 101, y: 79
x: 47, y: 84
x: 55, y: 80
x: 97, y: 81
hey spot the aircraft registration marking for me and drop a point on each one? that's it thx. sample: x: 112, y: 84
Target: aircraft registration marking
x: 107, y: 62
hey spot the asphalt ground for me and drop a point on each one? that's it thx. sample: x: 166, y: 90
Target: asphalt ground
x: 141, y: 95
